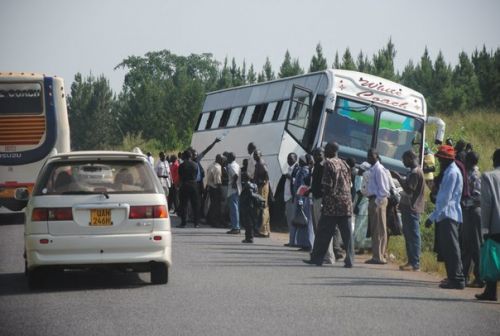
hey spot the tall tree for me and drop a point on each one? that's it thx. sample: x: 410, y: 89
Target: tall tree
x: 466, y: 85
x: 424, y: 78
x: 383, y: 61
x: 363, y: 62
x: 336, y: 61
x: 348, y: 61
x: 252, y: 76
x: 290, y: 67
x: 441, y: 85
x: 225, y: 77
x: 268, y: 70
x: 163, y: 94
x: 91, y: 113
x: 318, y: 61
x: 486, y: 74
x: 286, y: 66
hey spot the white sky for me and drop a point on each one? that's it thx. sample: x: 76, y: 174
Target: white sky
x: 64, y: 37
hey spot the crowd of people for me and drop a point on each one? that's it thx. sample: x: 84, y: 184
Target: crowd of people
x: 321, y: 193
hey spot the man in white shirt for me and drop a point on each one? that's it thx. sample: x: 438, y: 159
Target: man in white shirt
x: 234, y: 190
x: 289, y: 197
x: 162, y: 170
x: 378, y: 192
x: 151, y: 159
x: 214, y: 183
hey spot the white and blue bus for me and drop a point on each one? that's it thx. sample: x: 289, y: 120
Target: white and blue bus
x: 357, y: 110
x: 33, y: 125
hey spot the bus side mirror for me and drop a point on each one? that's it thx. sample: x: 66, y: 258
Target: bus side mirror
x: 22, y: 194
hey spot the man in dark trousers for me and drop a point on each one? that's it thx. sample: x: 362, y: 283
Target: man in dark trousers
x: 189, y: 192
x: 411, y: 206
x: 490, y: 216
x: 448, y: 216
x: 337, y: 208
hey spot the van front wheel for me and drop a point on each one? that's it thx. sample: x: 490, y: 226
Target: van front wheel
x: 159, y: 273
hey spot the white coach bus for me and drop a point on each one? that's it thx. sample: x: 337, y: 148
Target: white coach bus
x: 33, y: 124
x: 297, y: 114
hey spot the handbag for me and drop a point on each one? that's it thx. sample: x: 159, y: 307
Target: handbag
x: 489, y: 263
x: 300, y: 218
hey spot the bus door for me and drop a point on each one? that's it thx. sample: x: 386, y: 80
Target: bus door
x: 299, y: 134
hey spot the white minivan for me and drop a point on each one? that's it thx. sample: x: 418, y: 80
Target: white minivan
x: 119, y: 219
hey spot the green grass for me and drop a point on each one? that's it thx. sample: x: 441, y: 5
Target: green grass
x: 480, y: 128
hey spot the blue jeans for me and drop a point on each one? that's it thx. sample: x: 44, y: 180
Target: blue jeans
x: 411, y: 232
x: 234, y: 213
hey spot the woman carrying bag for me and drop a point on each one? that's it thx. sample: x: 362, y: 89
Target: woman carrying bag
x: 490, y: 217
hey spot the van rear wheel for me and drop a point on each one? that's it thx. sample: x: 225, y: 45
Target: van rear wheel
x: 159, y: 273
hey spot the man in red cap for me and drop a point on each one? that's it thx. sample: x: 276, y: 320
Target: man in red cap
x: 448, y: 217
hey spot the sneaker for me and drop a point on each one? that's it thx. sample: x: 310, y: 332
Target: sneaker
x: 233, y: 231
x: 247, y: 241
x: 375, y: 262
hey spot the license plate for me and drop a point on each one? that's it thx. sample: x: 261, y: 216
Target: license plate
x: 100, y: 217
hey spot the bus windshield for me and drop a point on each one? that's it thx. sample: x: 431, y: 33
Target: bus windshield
x: 353, y: 126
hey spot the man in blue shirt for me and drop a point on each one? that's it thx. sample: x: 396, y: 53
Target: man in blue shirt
x: 448, y: 217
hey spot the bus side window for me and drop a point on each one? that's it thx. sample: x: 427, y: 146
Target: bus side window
x: 210, y: 119
x: 241, y: 116
x: 225, y: 118
x: 258, y: 114
x: 277, y: 110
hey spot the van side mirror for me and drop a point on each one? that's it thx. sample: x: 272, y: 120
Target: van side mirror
x: 22, y: 194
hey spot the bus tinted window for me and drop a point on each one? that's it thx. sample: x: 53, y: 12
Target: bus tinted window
x: 397, y: 134
x: 242, y: 115
x: 258, y: 114
x: 284, y: 110
x: 277, y: 109
x: 268, y: 116
x: 210, y: 120
x: 216, y: 121
x: 225, y: 118
x: 234, y: 117
x: 351, y: 125
x: 21, y: 98
x: 203, y: 121
x: 248, y: 115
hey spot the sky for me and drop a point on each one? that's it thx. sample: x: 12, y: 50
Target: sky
x: 64, y: 37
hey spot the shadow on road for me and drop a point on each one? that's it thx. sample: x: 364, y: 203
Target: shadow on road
x: 62, y: 281
x: 368, y: 281
x: 411, y: 298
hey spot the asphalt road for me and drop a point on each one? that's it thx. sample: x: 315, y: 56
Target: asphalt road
x: 219, y: 286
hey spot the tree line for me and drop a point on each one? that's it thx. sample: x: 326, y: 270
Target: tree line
x: 163, y: 93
